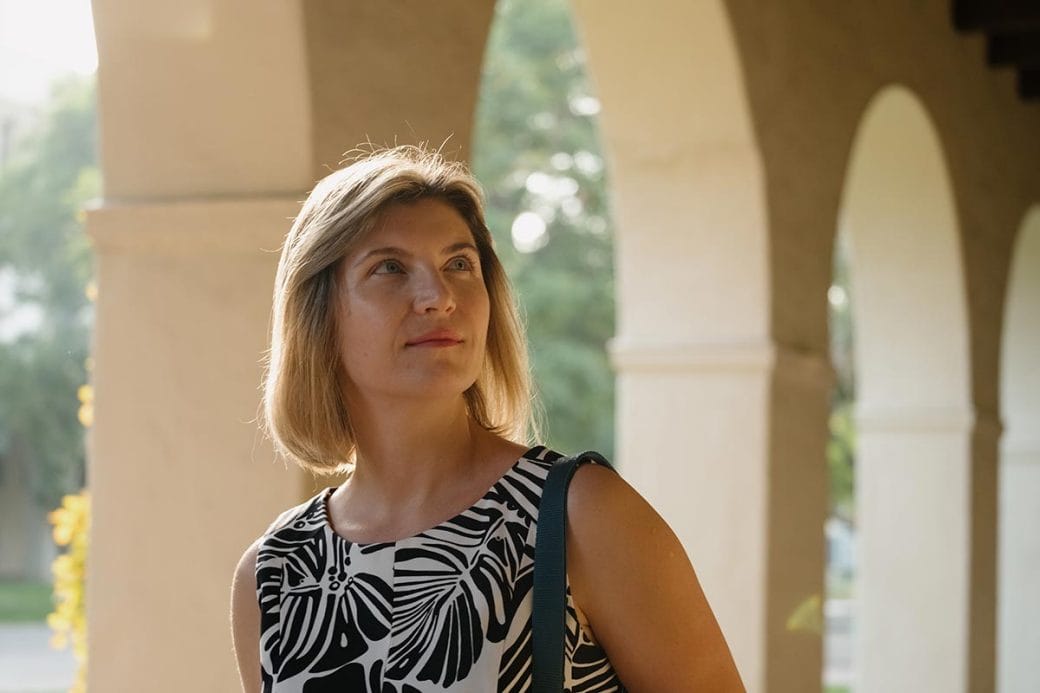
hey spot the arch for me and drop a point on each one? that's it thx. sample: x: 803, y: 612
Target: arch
x: 678, y: 146
x: 424, y: 89
x: 908, y: 275
x: 1019, y: 550
x: 913, y: 414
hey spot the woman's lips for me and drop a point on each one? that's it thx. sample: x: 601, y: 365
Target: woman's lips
x: 437, y: 338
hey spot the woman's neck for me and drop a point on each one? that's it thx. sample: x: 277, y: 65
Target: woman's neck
x: 409, y: 456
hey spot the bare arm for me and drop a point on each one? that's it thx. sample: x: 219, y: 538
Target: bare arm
x: 634, y: 581
x: 245, y: 620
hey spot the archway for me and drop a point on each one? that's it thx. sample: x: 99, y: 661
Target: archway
x: 693, y: 352
x: 913, y: 414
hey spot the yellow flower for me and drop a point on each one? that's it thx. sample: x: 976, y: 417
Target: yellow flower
x: 68, y: 620
x: 62, y: 533
x: 86, y: 415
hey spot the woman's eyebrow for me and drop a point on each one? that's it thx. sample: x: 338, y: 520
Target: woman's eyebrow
x: 401, y: 252
x: 387, y: 250
x: 461, y: 245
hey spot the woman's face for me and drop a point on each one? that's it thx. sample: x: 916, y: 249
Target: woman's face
x: 412, y: 306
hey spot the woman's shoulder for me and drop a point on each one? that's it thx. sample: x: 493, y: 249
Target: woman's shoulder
x: 605, y: 478
x: 539, y: 460
x: 634, y: 580
x: 306, y: 515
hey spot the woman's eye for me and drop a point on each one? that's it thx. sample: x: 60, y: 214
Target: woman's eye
x: 389, y: 267
x: 461, y: 263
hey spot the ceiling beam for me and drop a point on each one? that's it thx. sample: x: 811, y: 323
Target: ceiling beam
x: 1029, y: 83
x: 1022, y: 50
x: 1009, y: 16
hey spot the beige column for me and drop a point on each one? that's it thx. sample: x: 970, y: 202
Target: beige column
x: 727, y: 442
x: 699, y: 374
x: 180, y: 479
x: 204, y: 114
x: 1019, y: 552
x: 1019, y: 596
x: 925, y: 580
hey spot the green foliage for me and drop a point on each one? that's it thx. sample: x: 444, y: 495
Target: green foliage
x: 840, y: 457
x: 24, y: 602
x: 50, y: 174
x: 841, y: 448
x: 530, y: 122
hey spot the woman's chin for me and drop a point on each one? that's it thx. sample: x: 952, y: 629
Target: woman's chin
x: 440, y: 388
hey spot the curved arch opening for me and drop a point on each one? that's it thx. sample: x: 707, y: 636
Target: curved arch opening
x: 912, y: 417
x: 536, y: 149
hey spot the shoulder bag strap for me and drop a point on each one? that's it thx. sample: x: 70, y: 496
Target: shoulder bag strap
x: 548, y: 619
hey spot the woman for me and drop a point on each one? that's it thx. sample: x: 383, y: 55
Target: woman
x: 397, y: 355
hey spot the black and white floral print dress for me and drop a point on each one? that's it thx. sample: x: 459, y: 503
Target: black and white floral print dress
x: 448, y: 609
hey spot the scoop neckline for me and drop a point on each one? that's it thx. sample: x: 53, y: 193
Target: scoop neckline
x: 327, y: 522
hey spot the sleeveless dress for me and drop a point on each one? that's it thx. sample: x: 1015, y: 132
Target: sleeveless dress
x: 448, y: 609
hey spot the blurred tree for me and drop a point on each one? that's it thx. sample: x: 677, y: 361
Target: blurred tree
x: 45, y: 315
x: 536, y: 150
x: 841, y: 449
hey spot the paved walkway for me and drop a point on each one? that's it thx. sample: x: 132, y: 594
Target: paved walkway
x: 29, y: 665
x: 838, y: 643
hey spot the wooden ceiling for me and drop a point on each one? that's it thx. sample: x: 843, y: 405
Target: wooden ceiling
x: 1012, y: 29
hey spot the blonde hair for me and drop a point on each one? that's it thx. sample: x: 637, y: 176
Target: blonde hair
x: 304, y: 411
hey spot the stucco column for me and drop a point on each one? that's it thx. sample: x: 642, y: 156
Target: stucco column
x: 1019, y: 552
x: 720, y: 426
x: 1018, y: 639
x: 184, y: 295
x: 727, y: 441
x: 925, y: 485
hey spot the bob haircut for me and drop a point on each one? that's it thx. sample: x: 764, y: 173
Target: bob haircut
x: 304, y: 411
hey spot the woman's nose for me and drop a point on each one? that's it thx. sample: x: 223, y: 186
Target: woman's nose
x: 433, y: 293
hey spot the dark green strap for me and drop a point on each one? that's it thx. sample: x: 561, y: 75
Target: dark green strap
x: 549, y: 612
